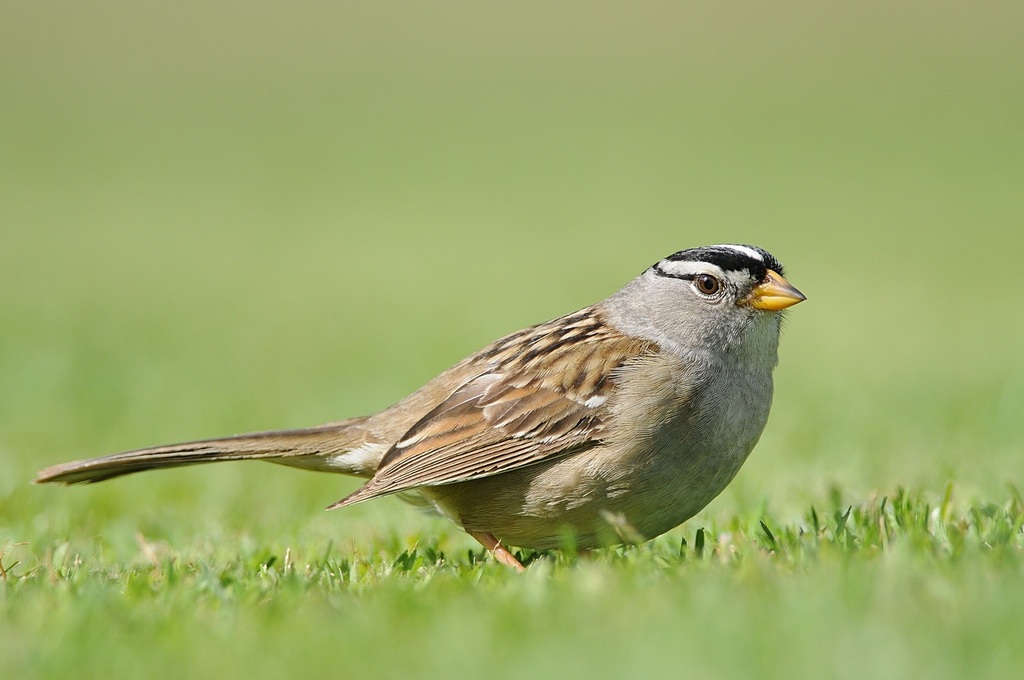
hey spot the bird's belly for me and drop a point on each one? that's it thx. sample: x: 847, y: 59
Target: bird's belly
x: 589, y: 499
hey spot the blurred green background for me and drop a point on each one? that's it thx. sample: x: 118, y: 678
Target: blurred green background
x: 221, y: 217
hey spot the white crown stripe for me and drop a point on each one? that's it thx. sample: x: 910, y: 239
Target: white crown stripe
x: 749, y: 252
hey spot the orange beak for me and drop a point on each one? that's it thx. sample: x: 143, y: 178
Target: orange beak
x: 774, y: 294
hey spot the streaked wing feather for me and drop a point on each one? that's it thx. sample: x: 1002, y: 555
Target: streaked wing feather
x: 540, y: 394
x: 464, y: 442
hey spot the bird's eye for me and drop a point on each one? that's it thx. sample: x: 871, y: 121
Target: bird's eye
x: 707, y: 284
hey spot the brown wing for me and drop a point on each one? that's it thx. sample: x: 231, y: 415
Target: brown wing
x: 541, y: 394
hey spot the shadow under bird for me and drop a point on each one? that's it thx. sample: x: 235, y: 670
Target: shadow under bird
x: 614, y: 423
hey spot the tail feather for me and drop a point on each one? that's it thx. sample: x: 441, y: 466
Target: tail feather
x: 312, y: 448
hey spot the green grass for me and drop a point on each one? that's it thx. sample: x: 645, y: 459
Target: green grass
x: 888, y: 588
x: 223, y: 219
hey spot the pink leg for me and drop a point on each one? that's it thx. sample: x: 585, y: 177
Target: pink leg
x: 500, y: 552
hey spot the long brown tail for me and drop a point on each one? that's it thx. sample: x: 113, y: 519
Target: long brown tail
x: 315, y: 448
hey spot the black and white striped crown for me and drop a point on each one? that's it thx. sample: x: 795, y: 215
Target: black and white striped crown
x: 729, y: 258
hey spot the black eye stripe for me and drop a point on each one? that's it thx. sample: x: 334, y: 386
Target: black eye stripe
x: 693, y: 278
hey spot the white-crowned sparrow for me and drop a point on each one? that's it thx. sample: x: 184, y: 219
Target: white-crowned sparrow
x: 617, y: 422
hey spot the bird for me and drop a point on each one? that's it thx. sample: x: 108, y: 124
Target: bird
x: 612, y: 424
